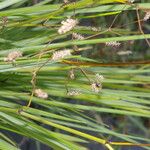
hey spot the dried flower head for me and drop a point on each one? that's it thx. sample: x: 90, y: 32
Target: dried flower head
x: 147, y: 16
x: 73, y: 93
x: 67, y: 25
x: 124, y: 52
x: 77, y: 36
x: 57, y: 55
x: 113, y: 44
x: 12, y: 56
x: 96, y: 87
x: 40, y: 93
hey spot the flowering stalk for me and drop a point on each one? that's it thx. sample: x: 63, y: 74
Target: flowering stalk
x: 73, y: 131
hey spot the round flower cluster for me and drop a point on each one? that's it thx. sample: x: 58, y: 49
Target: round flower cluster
x: 124, y: 52
x: 73, y: 93
x: 61, y: 54
x: 67, y: 25
x: 113, y: 44
x: 40, y: 93
x: 147, y: 16
x: 77, y: 36
x: 12, y: 56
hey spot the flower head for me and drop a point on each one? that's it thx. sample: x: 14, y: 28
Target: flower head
x: 147, y: 16
x: 113, y: 44
x: 77, y: 36
x: 57, y: 55
x: 96, y: 29
x: 40, y: 93
x: 12, y: 56
x: 96, y: 87
x: 124, y: 52
x: 73, y: 93
x: 99, y: 78
x: 67, y: 25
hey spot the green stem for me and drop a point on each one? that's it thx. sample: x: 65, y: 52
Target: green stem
x: 76, y: 132
x: 77, y: 42
x: 87, y: 136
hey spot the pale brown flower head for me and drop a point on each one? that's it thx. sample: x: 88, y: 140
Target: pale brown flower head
x: 12, y: 56
x: 96, y: 29
x: 77, y: 36
x: 96, y: 87
x: 113, y: 44
x: 121, y: 53
x: 57, y: 55
x: 67, y: 25
x: 40, y: 93
x: 73, y: 93
x: 99, y: 78
x: 147, y: 16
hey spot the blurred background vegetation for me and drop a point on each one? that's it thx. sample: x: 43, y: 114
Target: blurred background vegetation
x: 74, y: 116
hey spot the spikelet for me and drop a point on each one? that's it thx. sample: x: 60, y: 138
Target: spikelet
x: 96, y: 29
x: 71, y: 74
x: 73, y: 93
x: 113, y: 44
x: 96, y: 87
x: 67, y: 25
x: 147, y: 16
x: 124, y: 53
x: 40, y: 93
x: 12, y: 56
x: 57, y: 55
x: 99, y: 78
x: 77, y: 36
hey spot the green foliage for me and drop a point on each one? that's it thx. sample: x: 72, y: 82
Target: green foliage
x: 74, y: 120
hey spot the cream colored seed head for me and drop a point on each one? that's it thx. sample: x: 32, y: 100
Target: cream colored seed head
x: 124, y: 53
x: 113, y: 44
x: 147, y: 16
x: 67, y: 25
x: 40, y: 93
x: 96, y: 87
x: 12, y: 56
x: 77, y: 36
x: 73, y: 93
x: 57, y: 55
